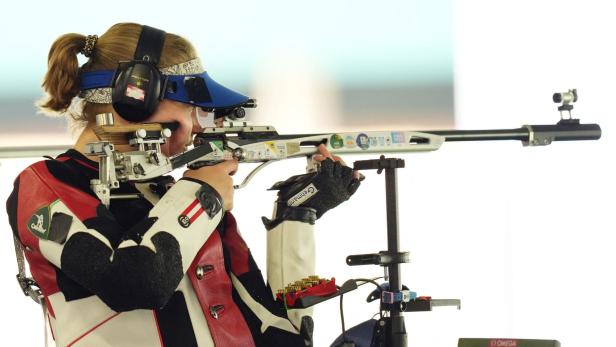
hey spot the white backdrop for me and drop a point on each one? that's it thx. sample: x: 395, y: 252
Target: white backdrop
x: 522, y: 235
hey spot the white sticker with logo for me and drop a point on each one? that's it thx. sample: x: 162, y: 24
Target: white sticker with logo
x: 303, y: 195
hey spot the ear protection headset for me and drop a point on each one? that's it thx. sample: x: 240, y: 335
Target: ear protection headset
x: 138, y: 85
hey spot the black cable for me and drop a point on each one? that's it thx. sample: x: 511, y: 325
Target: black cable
x: 374, y: 338
x: 367, y: 280
x: 344, y: 337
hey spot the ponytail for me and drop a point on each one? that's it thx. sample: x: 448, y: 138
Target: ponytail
x: 62, y: 78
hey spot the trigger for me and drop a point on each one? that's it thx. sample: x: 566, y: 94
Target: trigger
x: 312, y: 165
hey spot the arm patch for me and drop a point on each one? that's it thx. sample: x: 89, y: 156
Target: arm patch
x: 60, y: 225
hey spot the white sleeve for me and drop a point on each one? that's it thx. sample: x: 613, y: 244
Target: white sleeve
x: 290, y: 257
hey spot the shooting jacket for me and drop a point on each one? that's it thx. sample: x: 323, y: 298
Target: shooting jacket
x: 152, y: 271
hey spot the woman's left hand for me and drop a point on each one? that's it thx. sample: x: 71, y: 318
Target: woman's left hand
x: 324, y: 154
x: 322, y: 190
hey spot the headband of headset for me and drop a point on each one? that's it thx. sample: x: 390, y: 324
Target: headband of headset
x: 137, y: 84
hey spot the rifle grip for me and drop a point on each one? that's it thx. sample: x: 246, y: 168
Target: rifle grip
x: 199, y: 164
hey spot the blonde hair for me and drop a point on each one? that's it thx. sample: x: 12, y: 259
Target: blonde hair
x: 118, y: 43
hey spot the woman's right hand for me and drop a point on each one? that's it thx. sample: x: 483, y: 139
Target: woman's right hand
x: 219, y: 177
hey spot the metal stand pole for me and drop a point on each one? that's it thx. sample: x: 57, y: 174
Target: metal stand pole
x: 396, y: 331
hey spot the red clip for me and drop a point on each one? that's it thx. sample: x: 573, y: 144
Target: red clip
x: 325, y: 287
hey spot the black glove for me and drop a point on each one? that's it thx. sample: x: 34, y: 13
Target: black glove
x: 323, y: 190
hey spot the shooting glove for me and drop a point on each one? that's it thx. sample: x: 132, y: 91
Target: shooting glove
x: 318, y: 191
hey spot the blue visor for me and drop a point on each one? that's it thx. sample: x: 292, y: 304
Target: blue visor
x: 198, y: 89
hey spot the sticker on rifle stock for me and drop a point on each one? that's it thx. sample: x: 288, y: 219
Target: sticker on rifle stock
x: 349, y: 141
x: 218, y: 145
x: 336, y: 141
x: 363, y: 141
x: 269, y: 149
x: 292, y: 147
x: 281, y: 150
x: 398, y: 137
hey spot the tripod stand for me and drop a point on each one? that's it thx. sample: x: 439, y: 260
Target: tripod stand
x: 395, y: 330
x: 395, y: 299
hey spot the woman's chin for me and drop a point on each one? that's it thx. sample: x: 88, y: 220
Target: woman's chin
x: 170, y: 150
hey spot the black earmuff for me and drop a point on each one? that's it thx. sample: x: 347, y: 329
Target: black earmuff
x: 138, y: 84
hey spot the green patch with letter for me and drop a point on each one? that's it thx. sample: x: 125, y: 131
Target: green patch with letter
x: 40, y: 221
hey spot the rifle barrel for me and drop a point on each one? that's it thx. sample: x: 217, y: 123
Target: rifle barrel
x: 528, y: 133
x: 482, y: 135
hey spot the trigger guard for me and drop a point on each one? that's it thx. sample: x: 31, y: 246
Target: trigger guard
x: 312, y: 165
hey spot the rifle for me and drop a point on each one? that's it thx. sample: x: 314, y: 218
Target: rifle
x: 238, y: 139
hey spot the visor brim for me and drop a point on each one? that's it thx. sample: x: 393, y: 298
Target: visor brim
x: 219, y: 96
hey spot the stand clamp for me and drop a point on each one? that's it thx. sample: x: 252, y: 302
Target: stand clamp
x: 383, y: 258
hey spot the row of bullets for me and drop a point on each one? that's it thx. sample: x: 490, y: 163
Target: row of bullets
x: 302, y: 284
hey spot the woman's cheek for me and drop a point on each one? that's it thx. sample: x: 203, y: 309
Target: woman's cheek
x: 177, y: 142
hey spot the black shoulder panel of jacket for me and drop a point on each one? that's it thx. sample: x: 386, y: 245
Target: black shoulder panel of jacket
x: 11, y: 207
x: 59, y: 227
x: 128, y: 212
x: 136, y: 232
x: 134, y: 278
x: 175, y: 325
x: 106, y: 224
x: 125, y: 212
x: 72, y: 174
x: 128, y: 221
x: 69, y: 288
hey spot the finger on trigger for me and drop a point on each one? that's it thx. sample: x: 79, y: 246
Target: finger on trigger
x: 318, y: 157
x: 323, y: 150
